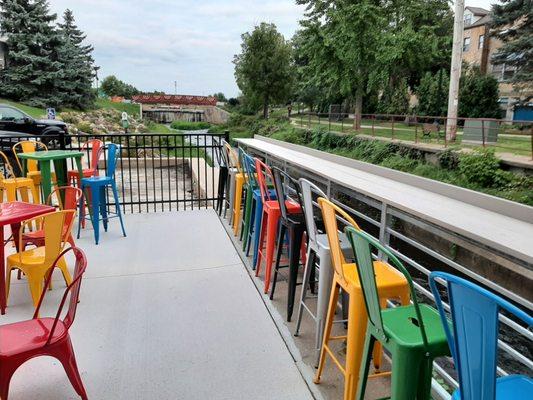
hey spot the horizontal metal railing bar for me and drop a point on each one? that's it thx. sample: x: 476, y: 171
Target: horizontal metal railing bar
x: 466, y: 271
x: 357, y: 213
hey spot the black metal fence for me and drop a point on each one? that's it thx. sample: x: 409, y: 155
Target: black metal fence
x: 155, y: 172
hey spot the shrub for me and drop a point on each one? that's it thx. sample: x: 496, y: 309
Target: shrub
x: 189, y: 126
x: 84, y: 127
x: 448, y: 159
x: 400, y: 163
x: 480, y: 167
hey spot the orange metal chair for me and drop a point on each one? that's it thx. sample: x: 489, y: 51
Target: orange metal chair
x: 35, y: 263
x: 269, y: 220
x: 391, y: 284
x: 96, y: 147
x: 13, y: 185
x: 65, y: 198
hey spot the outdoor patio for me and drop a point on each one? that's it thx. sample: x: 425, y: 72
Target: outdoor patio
x: 169, y: 312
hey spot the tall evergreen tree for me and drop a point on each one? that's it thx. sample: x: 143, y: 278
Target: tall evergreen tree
x: 75, y: 86
x: 512, y: 22
x: 32, y: 39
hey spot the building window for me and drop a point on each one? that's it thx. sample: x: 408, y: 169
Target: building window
x: 481, y: 41
x: 468, y: 19
x: 466, y: 44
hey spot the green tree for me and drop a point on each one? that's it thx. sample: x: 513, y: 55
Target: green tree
x: 433, y: 94
x: 512, y: 22
x: 395, y: 100
x: 263, y: 69
x: 75, y: 84
x: 220, y: 97
x: 112, y: 86
x: 34, y: 66
x: 478, y: 96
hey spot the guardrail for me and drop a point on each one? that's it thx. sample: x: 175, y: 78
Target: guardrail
x: 155, y: 172
x: 514, y: 137
x: 407, y: 237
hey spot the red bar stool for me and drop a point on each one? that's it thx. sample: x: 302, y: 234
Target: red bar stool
x: 95, y: 146
x: 269, y: 220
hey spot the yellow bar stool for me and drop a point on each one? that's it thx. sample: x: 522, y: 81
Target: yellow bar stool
x: 31, y: 146
x: 11, y: 184
x: 391, y: 284
x: 240, y: 179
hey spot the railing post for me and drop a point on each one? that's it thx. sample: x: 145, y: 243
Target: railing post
x: 373, y: 122
x: 392, y: 118
x: 416, y: 129
x: 226, y: 135
x: 329, y: 123
x: 308, y: 120
x: 483, y: 132
x: 445, y: 136
x: 384, y: 236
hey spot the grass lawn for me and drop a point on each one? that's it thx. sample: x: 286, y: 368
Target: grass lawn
x: 131, y: 109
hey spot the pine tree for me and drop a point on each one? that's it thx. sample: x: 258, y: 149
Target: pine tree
x: 33, y: 67
x: 512, y: 23
x: 75, y: 86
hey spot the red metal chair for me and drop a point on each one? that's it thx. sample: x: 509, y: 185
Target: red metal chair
x: 96, y: 146
x: 270, y: 220
x: 22, y: 341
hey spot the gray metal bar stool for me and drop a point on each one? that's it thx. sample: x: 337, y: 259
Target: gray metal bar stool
x: 318, y: 247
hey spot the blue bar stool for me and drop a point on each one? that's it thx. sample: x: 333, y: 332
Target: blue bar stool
x: 473, y: 340
x: 97, y: 186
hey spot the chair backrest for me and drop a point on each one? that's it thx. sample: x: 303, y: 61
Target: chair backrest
x: 112, y: 156
x: 361, y: 243
x: 265, y: 179
x: 250, y: 171
x: 28, y: 146
x: 474, y: 313
x: 310, y: 191
x: 287, y: 188
x: 232, y: 156
x: 66, y: 198
x: 54, y: 232
x: 96, y: 147
x: 330, y: 212
x: 73, y: 290
x: 8, y: 168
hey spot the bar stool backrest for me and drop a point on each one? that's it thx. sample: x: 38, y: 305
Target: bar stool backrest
x: 28, y: 146
x: 232, y: 157
x: 330, y: 213
x: 221, y: 153
x: 112, y: 157
x: 310, y: 191
x: 96, y: 147
x: 474, y: 313
x: 250, y: 171
x: 8, y: 171
x: 286, y: 188
x: 265, y: 179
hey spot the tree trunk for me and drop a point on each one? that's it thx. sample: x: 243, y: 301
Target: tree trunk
x: 358, y: 109
x: 265, y: 108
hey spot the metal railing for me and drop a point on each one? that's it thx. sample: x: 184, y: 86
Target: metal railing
x: 404, y: 235
x: 155, y: 172
x: 515, y: 137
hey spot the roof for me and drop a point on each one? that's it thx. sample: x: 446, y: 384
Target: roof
x: 176, y: 99
x: 477, y: 10
x: 482, y: 21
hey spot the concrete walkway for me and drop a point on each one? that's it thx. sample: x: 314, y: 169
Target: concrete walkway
x: 167, y: 313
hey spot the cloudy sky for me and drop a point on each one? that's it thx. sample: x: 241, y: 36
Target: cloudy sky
x: 152, y: 43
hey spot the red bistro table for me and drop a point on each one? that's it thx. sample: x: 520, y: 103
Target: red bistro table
x: 13, y: 213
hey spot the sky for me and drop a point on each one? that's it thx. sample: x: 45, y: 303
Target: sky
x: 153, y: 43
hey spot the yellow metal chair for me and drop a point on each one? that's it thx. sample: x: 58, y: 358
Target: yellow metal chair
x: 35, y: 263
x: 11, y: 184
x: 239, y: 188
x: 391, y: 285
x: 31, y: 146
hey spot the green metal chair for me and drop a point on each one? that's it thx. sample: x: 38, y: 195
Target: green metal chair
x: 413, y: 334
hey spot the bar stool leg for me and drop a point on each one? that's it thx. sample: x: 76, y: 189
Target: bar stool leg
x: 325, y: 280
x: 117, y: 205
x: 295, y: 241
x: 95, y: 202
x: 309, y: 265
x: 279, y: 251
x: 103, y: 206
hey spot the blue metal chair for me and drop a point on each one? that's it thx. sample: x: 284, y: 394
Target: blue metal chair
x: 97, y: 186
x: 474, y: 340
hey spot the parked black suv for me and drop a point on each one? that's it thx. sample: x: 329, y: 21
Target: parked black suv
x: 14, y: 120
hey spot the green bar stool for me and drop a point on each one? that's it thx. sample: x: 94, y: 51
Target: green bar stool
x: 413, y: 334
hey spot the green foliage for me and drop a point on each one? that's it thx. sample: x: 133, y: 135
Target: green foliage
x: 432, y: 94
x: 131, y: 109
x: 220, y: 97
x: 84, y: 127
x: 517, y: 14
x: 189, y: 126
x: 478, y: 95
x: 395, y: 99
x: 448, y: 159
x: 48, y: 66
x: 263, y: 69
x: 112, y: 86
x: 480, y: 167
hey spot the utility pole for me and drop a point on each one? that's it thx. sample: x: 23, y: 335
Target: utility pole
x: 455, y: 72
x: 176, y: 87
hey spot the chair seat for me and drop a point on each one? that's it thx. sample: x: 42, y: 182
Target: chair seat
x: 97, y: 180
x: 20, y: 337
x: 18, y: 181
x: 29, y: 257
x: 87, y: 172
x: 291, y: 206
x: 400, y: 325
x: 509, y: 387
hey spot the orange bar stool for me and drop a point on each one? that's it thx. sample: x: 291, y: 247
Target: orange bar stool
x: 391, y: 284
x: 269, y: 220
x: 11, y: 184
x: 95, y: 146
